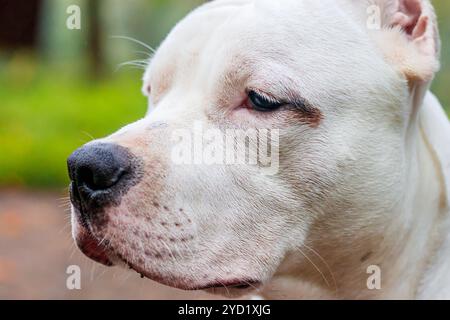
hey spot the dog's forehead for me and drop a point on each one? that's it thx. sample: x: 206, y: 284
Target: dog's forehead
x: 255, y: 26
x: 301, y: 37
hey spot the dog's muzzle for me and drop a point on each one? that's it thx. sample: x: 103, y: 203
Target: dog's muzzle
x: 100, y: 174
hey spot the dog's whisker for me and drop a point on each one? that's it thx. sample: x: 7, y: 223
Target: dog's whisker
x: 131, y: 65
x: 169, y: 249
x: 140, y: 63
x: 125, y: 277
x: 190, y: 251
x: 64, y: 228
x: 226, y: 288
x: 149, y: 55
x: 88, y: 134
x: 74, y: 249
x: 143, y: 63
x: 92, y: 273
x: 64, y: 203
x: 104, y: 271
x: 252, y: 286
x: 315, y: 266
x: 101, y: 243
x: 325, y: 263
x: 135, y: 41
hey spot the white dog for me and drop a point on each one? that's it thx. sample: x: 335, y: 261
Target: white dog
x: 359, y: 206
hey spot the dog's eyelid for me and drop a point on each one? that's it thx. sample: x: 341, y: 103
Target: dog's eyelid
x: 265, y: 95
x: 299, y: 103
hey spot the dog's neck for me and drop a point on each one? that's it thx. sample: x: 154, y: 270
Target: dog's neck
x: 408, y: 248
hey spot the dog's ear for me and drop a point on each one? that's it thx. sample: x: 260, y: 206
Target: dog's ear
x: 409, y: 37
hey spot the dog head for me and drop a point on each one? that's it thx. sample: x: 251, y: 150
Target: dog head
x: 323, y: 86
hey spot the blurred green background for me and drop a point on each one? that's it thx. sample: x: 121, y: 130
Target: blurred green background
x: 60, y: 88
x: 63, y: 87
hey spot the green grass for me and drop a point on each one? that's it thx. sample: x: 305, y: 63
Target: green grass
x: 43, y: 120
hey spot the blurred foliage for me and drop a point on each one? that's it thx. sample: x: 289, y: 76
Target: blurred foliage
x: 49, y: 105
x: 42, y: 121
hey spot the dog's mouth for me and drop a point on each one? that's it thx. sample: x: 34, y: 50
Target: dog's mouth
x: 213, y: 287
x: 103, y: 253
x: 238, y: 284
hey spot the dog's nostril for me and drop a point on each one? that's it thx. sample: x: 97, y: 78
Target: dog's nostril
x: 99, y: 180
x: 85, y: 175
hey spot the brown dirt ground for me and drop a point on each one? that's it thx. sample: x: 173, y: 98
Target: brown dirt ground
x: 36, y: 248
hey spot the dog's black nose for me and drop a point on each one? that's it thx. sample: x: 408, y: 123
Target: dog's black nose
x: 98, y: 173
x: 98, y: 167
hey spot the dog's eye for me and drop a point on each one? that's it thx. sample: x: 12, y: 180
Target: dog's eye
x: 262, y: 103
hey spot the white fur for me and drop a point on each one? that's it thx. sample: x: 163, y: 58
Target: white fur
x: 368, y: 186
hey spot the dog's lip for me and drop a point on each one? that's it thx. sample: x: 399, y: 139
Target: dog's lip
x: 92, y: 248
x: 231, y: 284
x: 226, y: 285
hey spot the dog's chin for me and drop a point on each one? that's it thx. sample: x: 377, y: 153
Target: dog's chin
x: 226, y: 288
